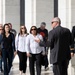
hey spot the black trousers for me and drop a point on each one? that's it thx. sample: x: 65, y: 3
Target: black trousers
x: 60, y: 68
x: 46, y: 60
x: 22, y: 61
x: 35, y: 58
x: 7, y: 59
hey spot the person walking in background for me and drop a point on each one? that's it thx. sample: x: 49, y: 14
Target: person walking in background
x: 8, y: 46
x: 34, y: 51
x: 1, y: 36
x: 20, y: 42
x: 11, y: 29
x: 59, y: 41
x: 44, y: 32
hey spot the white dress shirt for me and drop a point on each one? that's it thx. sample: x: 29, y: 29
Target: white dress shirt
x: 32, y: 46
x: 20, y: 42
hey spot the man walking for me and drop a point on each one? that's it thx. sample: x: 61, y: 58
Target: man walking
x: 44, y: 32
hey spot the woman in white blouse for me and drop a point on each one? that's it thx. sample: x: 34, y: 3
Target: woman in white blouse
x: 20, y: 42
x: 34, y: 51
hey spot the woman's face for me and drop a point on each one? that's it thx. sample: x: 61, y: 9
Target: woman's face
x: 22, y: 28
x: 7, y: 28
x: 33, y: 30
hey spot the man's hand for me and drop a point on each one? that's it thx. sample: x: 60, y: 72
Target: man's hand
x: 72, y: 54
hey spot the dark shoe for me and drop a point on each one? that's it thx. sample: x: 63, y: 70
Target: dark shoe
x: 2, y: 71
x: 47, y: 68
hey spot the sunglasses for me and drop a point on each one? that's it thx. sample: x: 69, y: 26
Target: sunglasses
x: 33, y: 29
x: 53, y: 22
x: 22, y: 28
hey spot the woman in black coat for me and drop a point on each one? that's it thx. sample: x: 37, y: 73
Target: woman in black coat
x: 8, y: 47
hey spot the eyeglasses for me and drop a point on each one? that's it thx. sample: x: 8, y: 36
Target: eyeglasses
x: 53, y: 22
x: 33, y: 29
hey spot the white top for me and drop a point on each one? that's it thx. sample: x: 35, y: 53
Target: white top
x: 32, y: 46
x: 20, y: 42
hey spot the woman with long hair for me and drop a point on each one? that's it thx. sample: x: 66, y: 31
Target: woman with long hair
x: 20, y: 42
x: 8, y: 47
x: 34, y: 50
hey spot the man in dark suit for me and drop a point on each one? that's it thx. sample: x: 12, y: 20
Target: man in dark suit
x: 59, y: 41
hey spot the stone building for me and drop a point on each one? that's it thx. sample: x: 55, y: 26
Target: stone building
x: 33, y: 12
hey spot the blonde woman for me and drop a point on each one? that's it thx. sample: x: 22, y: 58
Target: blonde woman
x: 20, y: 42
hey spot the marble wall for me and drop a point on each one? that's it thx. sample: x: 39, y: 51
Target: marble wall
x: 44, y: 12
x: 12, y: 13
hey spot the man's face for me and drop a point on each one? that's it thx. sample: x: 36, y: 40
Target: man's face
x: 43, y: 26
x: 10, y: 26
x: 54, y: 24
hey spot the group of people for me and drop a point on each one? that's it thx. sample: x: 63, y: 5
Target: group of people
x: 35, y: 46
x: 27, y: 46
x: 24, y: 45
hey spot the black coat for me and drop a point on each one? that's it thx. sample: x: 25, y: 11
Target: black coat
x: 60, y: 40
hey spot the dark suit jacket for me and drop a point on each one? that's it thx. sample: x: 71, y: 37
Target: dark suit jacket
x: 59, y: 41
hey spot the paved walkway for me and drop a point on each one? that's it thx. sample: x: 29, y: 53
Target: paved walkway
x: 15, y: 69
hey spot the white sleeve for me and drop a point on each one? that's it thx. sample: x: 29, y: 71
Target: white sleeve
x: 16, y: 41
x: 27, y: 44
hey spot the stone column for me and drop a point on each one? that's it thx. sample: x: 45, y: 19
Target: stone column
x: 72, y: 12
x: 2, y: 11
x: 44, y: 12
x: 64, y: 13
x: 37, y: 11
x: 29, y: 13
x: 12, y: 13
x: 22, y: 12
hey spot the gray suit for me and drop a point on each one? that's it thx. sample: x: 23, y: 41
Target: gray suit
x: 59, y: 41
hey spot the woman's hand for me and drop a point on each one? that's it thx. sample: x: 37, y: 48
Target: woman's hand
x: 28, y: 55
x: 37, y: 40
x: 15, y: 53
